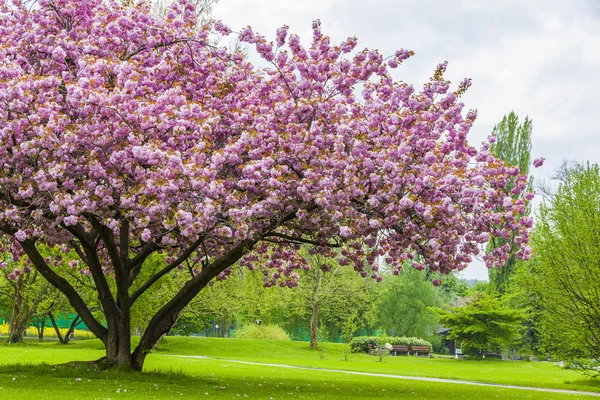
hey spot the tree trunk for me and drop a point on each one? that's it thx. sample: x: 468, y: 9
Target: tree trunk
x: 116, y: 336
x: 40, y: 326
x: 315, y: 307
x: 222, y: 326
x: 56, y: 328
x: 72, y: 327
x: 314, y: 326
x: 20, y: 316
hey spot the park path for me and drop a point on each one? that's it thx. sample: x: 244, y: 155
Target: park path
x: 407, y: 377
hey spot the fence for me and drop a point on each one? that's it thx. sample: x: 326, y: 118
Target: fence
x: 49, y: 332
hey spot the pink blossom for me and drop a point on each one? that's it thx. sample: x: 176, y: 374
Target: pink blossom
x: 405, y: 203
x: 374, y: 223
x: 538, y: 162
x: 146, y: 235
x: 20, y: 236
x: 345, y: 231
x: 70, y: 220
x: 222, y: 28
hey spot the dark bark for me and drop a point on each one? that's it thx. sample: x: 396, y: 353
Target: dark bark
x: 116, y: 335
x: 107, y: 300
x: 56, y: 328
x: 40, y: 326
x: 120, y: 310
x: 74, y: 324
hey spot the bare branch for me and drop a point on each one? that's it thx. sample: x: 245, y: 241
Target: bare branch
x: 167, y: 269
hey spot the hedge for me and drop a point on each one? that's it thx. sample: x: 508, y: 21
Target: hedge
x: 361, y: 343
x: 268, y: 332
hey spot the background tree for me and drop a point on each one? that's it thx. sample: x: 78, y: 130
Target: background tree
x: 331, y: 295
x: 513, y: 146
x: 24, y: 294
x: 125, y: 135
x: 403, y: 306
x: 482, y: 324
x: 24, y: 304
x: 5, y: 299
x: 521, y: 295
x: 50, y: 301
x: 565, y: 275
x: 219, y: 305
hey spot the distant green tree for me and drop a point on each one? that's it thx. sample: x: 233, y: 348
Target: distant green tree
x: 521, y: 295
x: 6, y: 297
x: 331, y: 295
x: 513, y: 146
x: 221, y: 305
x: 565, y: 272
x: 452, y: 288
x: 404, y: 302
x: 484, y: 323
x: 22, y: 295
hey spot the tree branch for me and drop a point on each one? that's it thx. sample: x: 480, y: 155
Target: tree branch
x: 135, y: 264
x: 300, y: 240
x: 65, y: 287
x: 108, y: 237
x: 93, y: 262
x: 124, y: 245
x: 167, y: 269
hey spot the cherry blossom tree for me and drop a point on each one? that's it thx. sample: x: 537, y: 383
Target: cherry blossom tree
x: 124, y: 134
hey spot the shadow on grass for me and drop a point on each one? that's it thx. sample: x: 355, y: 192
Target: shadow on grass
x: 590, y: 382
x: 81, y: 370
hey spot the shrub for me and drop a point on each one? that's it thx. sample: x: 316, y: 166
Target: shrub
x: 269, y: 332
x: 361, y: 343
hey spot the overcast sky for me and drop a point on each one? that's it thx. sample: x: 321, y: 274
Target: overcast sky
x: 540, y: 58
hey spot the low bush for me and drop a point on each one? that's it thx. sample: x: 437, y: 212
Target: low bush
x: 361, y: 343
x: 269, y: 332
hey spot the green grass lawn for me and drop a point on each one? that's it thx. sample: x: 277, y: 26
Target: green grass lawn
x: 523, y: 373
x: 168, y: 376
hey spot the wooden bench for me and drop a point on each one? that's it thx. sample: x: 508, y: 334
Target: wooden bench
x: 424, y: 350
x: 400, y: 349
x: 371, y: 349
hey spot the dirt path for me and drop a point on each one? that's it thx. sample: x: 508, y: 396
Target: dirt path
x: 414, y: 378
